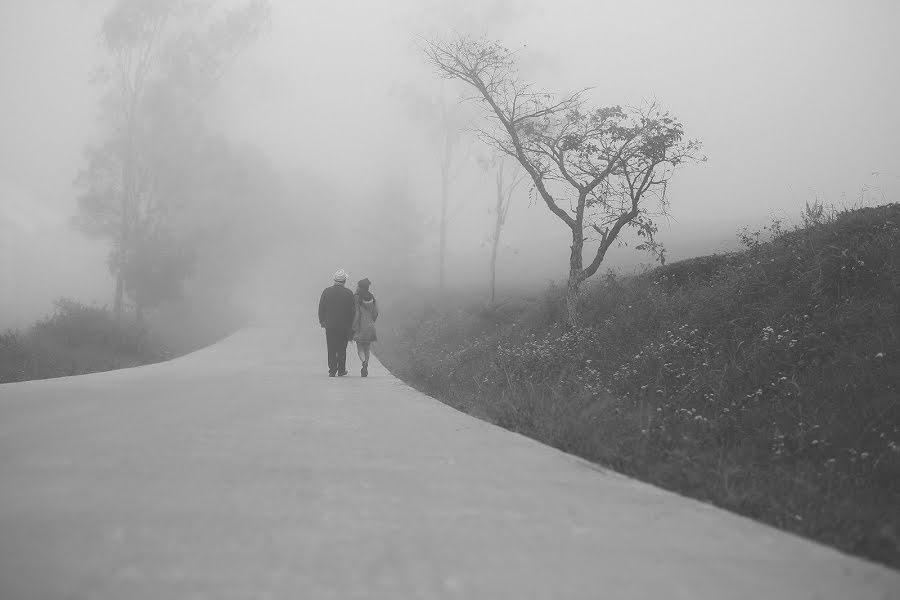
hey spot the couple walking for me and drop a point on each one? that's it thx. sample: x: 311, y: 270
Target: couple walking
x: 346, y: 316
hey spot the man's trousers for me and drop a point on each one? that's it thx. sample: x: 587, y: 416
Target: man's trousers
x: 337, y: 339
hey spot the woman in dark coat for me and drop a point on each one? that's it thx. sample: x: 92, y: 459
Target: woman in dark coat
x: 365, y: 314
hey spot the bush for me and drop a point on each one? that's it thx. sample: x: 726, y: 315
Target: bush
x: 75, y: 339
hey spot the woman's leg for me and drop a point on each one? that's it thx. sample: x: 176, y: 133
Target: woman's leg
x: 362, y: 351
x: 362, y: 348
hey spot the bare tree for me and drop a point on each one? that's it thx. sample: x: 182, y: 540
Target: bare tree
x: 503, y: 196
x: 598, y: 170
x: 451, y: 161
x: 447, y: 123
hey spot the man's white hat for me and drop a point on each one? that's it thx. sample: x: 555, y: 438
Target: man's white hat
x: 340, y: 276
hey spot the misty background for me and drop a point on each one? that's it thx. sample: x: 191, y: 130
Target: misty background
x: 328, y: 138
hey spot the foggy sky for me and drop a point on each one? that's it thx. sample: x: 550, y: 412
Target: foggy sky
x: 792, y: 100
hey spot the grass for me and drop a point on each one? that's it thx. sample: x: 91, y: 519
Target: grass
x: 765, y: 381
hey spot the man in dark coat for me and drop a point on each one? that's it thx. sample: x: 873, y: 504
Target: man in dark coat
x: 336, y: 316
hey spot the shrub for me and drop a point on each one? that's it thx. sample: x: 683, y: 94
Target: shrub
x: 75, y: 339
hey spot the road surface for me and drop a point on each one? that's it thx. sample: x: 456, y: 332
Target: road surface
x: 243, y: 471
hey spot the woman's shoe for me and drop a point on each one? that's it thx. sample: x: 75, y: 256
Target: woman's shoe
x: 364, y: 372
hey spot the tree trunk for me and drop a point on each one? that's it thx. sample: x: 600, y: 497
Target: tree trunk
x: 120, y: 292
x: 119, y: 299
x: 573, y: 286
x: 498, y: 227
x: 446, y: 163
x: 494, y: 265
x: 127, y: 204
x: 442, y: 250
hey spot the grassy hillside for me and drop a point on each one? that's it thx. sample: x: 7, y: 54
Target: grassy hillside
x: 765, y: 381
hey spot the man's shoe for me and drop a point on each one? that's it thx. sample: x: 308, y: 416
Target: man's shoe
x: 331, y: 373
x: 341, y: 373
x: 364, y: 372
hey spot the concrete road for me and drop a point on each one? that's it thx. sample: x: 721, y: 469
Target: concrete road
x: 243, y: 471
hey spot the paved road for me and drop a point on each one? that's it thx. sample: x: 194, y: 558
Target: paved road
x: 243, y: 471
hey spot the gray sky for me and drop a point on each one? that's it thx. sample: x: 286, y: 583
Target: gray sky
x: 792, y: 99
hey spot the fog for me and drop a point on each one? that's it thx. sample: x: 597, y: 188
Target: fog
x: 793, y: 101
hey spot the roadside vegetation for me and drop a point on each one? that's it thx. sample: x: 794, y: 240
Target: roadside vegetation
x: 77, y: 339
x: 765, y: 381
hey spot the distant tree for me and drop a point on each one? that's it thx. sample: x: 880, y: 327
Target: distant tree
x: 506, y: 181
x: 451, y: 134
x: 597, y: 169
x: 237, y: 209
x: 164, y: 57
x: 447, y: 122
x: 393, y: 253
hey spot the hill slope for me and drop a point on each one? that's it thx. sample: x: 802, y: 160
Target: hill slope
x: 765, y: 381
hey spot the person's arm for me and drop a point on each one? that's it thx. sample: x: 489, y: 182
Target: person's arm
x: 374, y: 310
x: 322, y: 309
x: 352, y: 312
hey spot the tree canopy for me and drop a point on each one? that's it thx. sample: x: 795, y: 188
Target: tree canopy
x: 152, y: 182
